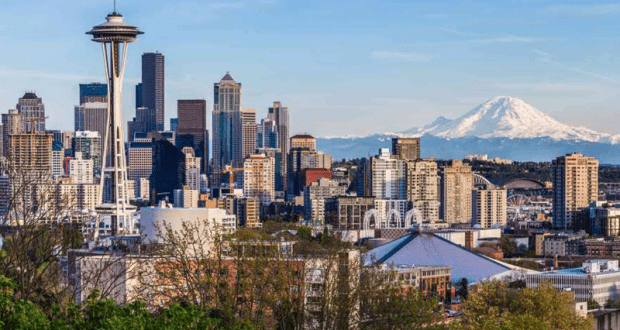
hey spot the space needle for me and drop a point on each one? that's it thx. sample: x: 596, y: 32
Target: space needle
x: 114, y: 36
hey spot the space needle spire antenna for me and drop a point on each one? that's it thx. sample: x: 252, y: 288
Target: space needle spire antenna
x: 114, y: 36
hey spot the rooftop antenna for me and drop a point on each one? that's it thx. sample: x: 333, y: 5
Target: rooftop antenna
x: 114, y: 6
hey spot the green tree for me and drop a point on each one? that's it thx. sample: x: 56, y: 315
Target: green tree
x: 497, y: 306
x: 462, y: 288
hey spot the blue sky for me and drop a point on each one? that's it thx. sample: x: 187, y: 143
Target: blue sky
x: 342, y: 67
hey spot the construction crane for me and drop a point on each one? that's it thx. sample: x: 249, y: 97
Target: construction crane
x: 231, y: 175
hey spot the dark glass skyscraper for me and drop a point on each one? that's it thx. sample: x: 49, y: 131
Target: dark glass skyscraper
x: 153, y: 89
x: 168, y: 169
x: 93, y: 92
x: 192, y: 128
x: 139, y: 103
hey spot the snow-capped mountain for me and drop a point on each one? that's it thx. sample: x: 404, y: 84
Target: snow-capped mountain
x: 503, y: 127
x: 508, y: 117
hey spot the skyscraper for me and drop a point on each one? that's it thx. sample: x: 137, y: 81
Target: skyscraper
x: 488, y: 206
x: 139, y: 103
x: 388, y: 176
x: 138, y: 124
x: 32, y: 153
x: 168, y: 169
x: 93, y: 92
x: 279, y: 115
x: 192, y: 169
x: 422, y: 188
x: 115, y: 35
x: 12, y: 123
x: 259, y: 178
x: 174, y: 124
x: 227, y: 126
x: 457, y: 183
x: 33, y: 111
x: 267, y: 134
x: 575, y: 184
x: 153, y: 89
x: 192, y: 129
x: 140, y: 160
x: 406, y: 148
x: 248, y: 121
x: 91, y: 116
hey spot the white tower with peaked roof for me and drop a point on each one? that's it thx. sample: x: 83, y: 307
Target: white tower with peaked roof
x: 114, y: 36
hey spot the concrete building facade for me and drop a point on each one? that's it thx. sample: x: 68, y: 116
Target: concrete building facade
x: 457, y: 183
x: 575, y: 185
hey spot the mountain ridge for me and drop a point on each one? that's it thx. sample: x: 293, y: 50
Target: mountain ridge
x: 505, y: 117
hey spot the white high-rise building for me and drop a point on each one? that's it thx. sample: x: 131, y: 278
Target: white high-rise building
x: 489, y: 207
x: 81, y: 170
x: 388, y: 176
x: 315, y: 195
x: 422, y: 188
x: 457, y: 182
x: 259, y: 178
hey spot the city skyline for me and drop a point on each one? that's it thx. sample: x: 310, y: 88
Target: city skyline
x: 383, y: 72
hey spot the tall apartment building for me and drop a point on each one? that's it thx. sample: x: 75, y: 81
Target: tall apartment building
x: 227, y: 126
x: 12, y: 123
x: 192, y: 129
x: 489, y: 207
x: 575, y: 185
x: 315, y: 196
x: 457, y: 183
x: 388, y: 176
x: 153, y: 89
x: 276, y: 154
x: 422, y: 188
x: 81, y: 170
x: 88, y: 143
x: 58, y: 157
x: 33, y: 111
x: 31, y: 153
x: 248, y: 133
x: 406, y: 148
x: 247, y: 211
x: 347, y: 212
x: 76, y: 196
x: 192, y: 169
x: 93, y: 93
x: 259, y: 178
x: 140, y: 158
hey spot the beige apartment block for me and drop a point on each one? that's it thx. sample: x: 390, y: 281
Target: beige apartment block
x: 457, y: 182
x: 575, y: 185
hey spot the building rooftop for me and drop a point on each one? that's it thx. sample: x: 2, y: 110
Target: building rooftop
x: 227, y: 77
x: 140, y: 145
x: 302, y: 136
x: 30, y: 96
x: 426, y: 248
